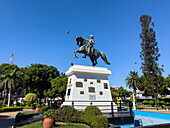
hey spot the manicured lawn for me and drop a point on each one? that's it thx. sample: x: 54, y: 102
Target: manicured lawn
x: 39, y: 124
x: 25, y: 113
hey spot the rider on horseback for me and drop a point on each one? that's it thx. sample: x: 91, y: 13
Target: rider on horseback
x: 90, y: 45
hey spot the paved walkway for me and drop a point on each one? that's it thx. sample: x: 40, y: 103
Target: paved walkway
x: 7, y: 119
x: 159, y: 111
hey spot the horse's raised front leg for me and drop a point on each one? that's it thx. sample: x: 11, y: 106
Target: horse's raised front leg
x: 75, y: 54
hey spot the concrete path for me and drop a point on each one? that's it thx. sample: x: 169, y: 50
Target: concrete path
x: 7, y: 119
x: 159, y: 111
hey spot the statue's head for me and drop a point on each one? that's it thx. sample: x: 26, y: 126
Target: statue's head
x: 91, y: 36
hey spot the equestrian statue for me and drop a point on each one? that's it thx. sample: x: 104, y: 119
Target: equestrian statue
x: 88, y: 50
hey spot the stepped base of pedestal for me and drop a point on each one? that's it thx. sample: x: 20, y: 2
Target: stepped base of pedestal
x: 105, y: 107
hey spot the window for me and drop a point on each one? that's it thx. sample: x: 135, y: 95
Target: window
x: 98, y: 81
x: 69, y: 91
x: 91, y: 82
x: 91, y: 89
x: 70, y: 80
x: 105, y: 86
x: 82, y: 92
x: 101, y: 93
x: 85, y: 80
x: 79, y: 84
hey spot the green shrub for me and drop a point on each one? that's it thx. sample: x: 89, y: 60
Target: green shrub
x: 167, y: 103
x: 1, y: 104
x: 10, y: 109
x: 44, y: 108
x: 31, y: 97
x: 92, y: 110
x: 152, y: 103
x: 28, y: 107
x: 33, y: 106
x: 162, y: 103
x: 94, y: 118
x: 50, y: 113
x: 67, y: 114
x: 145, y: 102
x: 42, y: 105
x: 38, y: 106
x: 99, y: 121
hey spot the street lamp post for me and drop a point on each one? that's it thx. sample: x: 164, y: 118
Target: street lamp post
x: 154, y: 88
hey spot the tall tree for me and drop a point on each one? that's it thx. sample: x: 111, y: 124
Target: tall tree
x: 38, y: 77
x: 150, y: 54
x: 8, y: 83
x: 133, y: 81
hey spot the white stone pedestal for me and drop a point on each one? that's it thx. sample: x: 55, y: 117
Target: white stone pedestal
x: 88, y: 86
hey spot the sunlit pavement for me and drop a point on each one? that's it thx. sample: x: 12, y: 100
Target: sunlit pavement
x: 7, y: 119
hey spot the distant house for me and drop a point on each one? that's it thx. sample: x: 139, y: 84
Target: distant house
x: 115, y: 87
x: 141, y: 96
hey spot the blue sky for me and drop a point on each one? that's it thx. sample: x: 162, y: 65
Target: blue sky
x: 35, y: 31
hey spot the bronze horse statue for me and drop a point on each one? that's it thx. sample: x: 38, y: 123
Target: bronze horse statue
x: 83, y: 48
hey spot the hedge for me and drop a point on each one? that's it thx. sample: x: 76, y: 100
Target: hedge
x: 44, y: 108
x: 67, y: 114
x: 9, y: 109
x: 92, y: 116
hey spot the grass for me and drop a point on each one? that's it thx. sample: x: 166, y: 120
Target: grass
x: 39, y: 124
x: 25, y: 113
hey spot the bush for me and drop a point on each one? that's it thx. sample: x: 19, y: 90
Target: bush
x: 145, y: 102
x: 152, y: 103
x: 162, y: 103
x: 99, y: 121
x: 1, y: 104
x: 94, y: 118
x: 42, y: 105
x: 92, y: 110
x: 38, y: 106
x: 31, y: 97
x: 44, y: 108
x: 33, y: 106
x: 167, y: 103
x: 50, y: 113
x: 10, y: 109
x: 67, y: 114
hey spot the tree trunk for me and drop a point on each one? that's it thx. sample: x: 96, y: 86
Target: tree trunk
x: 134, y: 106
x: 9, y: 97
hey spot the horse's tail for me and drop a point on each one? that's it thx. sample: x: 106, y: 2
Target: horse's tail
x: 104, y: 58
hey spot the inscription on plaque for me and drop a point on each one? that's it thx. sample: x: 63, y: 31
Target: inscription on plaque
x: 92, y: 97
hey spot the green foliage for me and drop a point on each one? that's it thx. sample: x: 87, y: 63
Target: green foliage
x: 99, y: 121
x: 152, y: 103
x: 33, y: 106
x: 145, y: 102
x: 38, y: 105
x: 92, y: 110
x: 1, y: 104
x: 67, y: 114
x: 149, y: 55
x: 44, y: 108
x: 38, y: 78
x: 50, y: 113
x: 31, y: 97
x: 10, y: 109
x: 133, y: 80
x: 94, y: 117
x: 58, y: 87
x: 162, y: 103
x: 167, y: 103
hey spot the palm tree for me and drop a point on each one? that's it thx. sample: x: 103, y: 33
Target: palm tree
x: 133, y: 81
x: 8, y: 81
